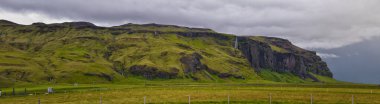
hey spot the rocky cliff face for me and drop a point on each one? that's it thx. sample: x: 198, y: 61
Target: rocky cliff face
x: 82, y: 52
x: 280, y: 55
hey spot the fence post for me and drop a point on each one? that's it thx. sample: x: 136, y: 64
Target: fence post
x: 352, y: 99
x: 25, y: 91
x: 144, y: 99
x: 311, y: 99
x: 270, y: 98
x: 228, y: 99
x: 39, y: 100
x: 100, y: 99
x: 189, y: 99
x: 13, y: 91
x: 0, y: 93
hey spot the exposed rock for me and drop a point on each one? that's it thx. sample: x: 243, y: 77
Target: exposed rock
x: 203, y: 34
x: 17, y: 74
x: 295, y: 60
x: 101, y: 75
x: 20, y: 45
x: 38, y: 24
x: 79, y: 24
x: 226, y: 75
x: 162, y: 25
x: 152, y: 72
x: 192, y: 63
x: 119, y: 67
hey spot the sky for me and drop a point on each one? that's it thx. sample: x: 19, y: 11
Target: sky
x: 322, y: 25
x: 357, y: 62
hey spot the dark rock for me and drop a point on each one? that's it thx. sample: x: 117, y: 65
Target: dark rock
x: 204, y: 34
x: 296, y: 60
x: 20, y: 45
x: 101, y: 75
x: 192, y: 63
x: 152, y: 72
x: 38, y: 24
x: 164, y: 54
x: 79, y: 24
x: 45, y: 28
x: 19, y: 74
x: 227, y: 75
x: 119, y: 67
x: 162, y: 25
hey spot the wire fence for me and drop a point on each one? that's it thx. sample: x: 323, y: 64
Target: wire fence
x: 227, y: 98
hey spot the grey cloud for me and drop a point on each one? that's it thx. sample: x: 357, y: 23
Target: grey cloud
x: 309, y: 24
x: 327, y: 55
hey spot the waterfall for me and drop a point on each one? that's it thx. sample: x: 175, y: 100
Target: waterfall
x: 236, y: 42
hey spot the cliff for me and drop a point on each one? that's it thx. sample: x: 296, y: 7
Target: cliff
x: 82, y: 52
x: 279, y: 55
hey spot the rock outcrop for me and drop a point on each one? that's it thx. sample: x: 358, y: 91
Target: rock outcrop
x: 192, y: 63
x: 280, y: 55
x: 152, y: 72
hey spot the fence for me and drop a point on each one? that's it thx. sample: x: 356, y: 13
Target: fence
x: 144, y: 100
x: 228, y: 99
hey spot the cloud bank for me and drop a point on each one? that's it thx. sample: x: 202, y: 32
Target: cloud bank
x: 319, y: 24
x: 327, y: 55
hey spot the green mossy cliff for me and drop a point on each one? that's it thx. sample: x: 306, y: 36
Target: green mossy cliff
x: 81, y: 52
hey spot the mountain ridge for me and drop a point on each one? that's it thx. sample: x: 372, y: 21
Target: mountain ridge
x: 83, y: 52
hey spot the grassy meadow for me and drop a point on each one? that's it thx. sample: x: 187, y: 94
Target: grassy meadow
x: 200, y: 93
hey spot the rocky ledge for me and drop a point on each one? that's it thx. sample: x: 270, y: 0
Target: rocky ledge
x: 280, y: 55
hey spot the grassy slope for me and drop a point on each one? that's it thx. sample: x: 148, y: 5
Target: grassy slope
x: 70, y: 55
x: 282, y: 77
x: 273, y: 47
x: 326, y: 79
x: 66, y: 54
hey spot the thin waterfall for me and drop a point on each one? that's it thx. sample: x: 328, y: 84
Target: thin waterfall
x: 236, y: 42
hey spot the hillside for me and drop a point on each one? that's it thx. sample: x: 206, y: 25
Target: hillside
x: 81, y: 52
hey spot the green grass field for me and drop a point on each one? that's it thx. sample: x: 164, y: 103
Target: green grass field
x: 200, y: 93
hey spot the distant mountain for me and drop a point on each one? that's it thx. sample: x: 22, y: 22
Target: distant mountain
x: 81, y: 52
x: 357, y: 62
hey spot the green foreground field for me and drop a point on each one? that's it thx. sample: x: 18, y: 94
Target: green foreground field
x: 200, y: 93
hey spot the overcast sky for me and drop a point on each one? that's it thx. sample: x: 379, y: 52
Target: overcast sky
x: 308, y: 23
x: 358, y: 62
